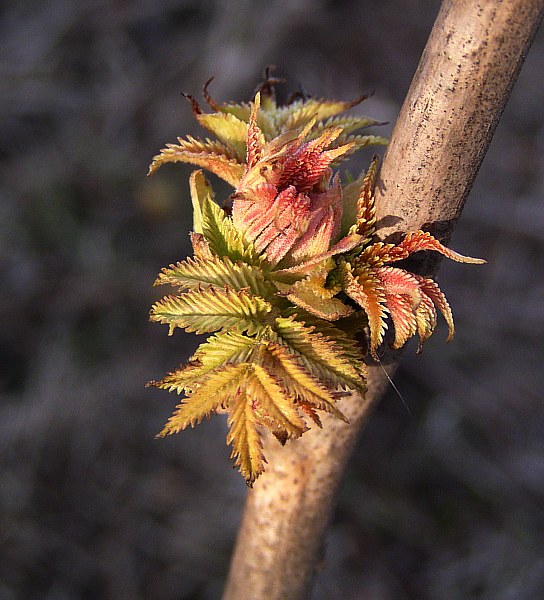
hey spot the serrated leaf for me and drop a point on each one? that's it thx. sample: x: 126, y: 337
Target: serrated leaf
x: 297, y: 380
x: 217, y: 389
x: 265, y: 119
x: 365, y: 208
x: 241, y: 111
x: 403, y: 315
x: 219, y: 350
x: 211, y: 155
x: 212, y: 309
x: 365, y: 287
x: 426, y: 319
x: 430, y: 288
x: 244, y: 436
x: 229, y: 129
x: 343, y: 334
x: 322, y: 356
x: 347, y: 124
x: 344, y: 245
x: 379, y: 254
x: 225, y: 347
x: 312, y: 413
x: 255, y: 137
x: 299, y: 113
x: 219, y: 272
x: 312, y: 295
x: 422, y: 240
x: 201, y: 193
x: 274, y: 402
x: 358, y: 142
x: 330, y: 309
x: 218, y: 230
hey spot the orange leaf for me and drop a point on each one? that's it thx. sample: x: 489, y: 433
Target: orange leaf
x: 366, y: 288
x: 422, y: 240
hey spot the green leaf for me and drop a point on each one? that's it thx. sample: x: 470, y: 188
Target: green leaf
x: 244, y: 436
x: 219, y: 272
x: 215, y: 391
x: 241, y: 111
x: 211, y: 221
x: 265, y: 120
x: 323, y: 357
x: 223, y: 347
x: 224, y: 238
x: 358, y: 142
x: 208, y: 310
x: 201, y: 194
x: 219, y: 350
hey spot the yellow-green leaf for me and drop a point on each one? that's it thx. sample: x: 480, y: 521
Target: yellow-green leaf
x: 312, y: 295
x: 219, y: 272
x: 347, y: 124
x: 297, y: 380
x: 219, y: 350
x: 218, y: 388
x: 357, y: 142
x: 211, y: 155
x: 343, y: 334
x: 320, y: 355
x: 218, y: 229
x: 240, y: 111
x: 330, y: 309
x: 201, y: 194
x: 301, y: 112
x: 228, y: 129
x: 212, y: 309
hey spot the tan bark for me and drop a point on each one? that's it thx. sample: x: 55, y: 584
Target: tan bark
x: 458, y: 93
x: 463, y: 81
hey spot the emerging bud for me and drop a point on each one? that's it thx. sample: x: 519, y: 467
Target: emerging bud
x: 279, y: 281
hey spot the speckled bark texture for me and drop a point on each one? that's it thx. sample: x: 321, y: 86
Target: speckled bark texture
x: 462, y: 83
x: 461, y: 86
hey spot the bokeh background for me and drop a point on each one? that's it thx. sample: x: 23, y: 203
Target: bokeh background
x: 443, y: 502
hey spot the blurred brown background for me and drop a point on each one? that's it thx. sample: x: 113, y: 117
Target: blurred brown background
x: 444, y: 503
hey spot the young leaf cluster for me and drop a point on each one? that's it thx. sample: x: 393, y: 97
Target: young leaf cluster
x: 265, y: 365
x: 279, y: 283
